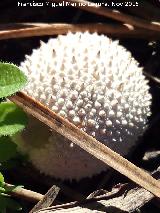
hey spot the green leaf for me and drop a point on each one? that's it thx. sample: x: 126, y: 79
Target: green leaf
x: 8, y: 149
x: 12, y: 119
x: 12, y: 188
x: 2, y: 190
x: 12, y: 79
x: 1, y: 180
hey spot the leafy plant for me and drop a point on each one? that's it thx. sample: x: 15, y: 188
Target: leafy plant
x: 12, y: 120
x: 5, y: 201
x: 11, y: 79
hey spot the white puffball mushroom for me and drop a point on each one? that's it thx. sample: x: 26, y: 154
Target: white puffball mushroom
x: 97, y: 85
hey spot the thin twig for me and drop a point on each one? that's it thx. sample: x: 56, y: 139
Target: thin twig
x: 152, y: 78
x: 40, y: 29
x: 123, y: 198
x: 86, y: 142
x: 114, y: 14
x: 25, y: 194
x: 47, y: 200
x: 109, y: 195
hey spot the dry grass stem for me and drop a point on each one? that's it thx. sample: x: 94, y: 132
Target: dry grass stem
x: 29, y: 30
x: 25, y: 194
x: 87, y: 142
x: 122, y: 198
x: 129, y: 202
x: 47, y: 199
x: 114, y: 14
x: 126, y: 198
x: 152, y: 78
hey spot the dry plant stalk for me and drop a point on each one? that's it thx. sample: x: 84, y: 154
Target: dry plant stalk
x: 114, y: 201
x: 47, y: 199
x: 122, y: 197
x: 152, y: 78
x: 87, y: 142
x: 41, y: 29
x: 114, y: 14
x: 25, y: 194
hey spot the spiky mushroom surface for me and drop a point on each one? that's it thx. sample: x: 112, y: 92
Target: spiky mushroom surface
x: 96, y: 84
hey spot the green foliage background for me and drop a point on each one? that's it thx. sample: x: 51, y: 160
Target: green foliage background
x: 12, y: 120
